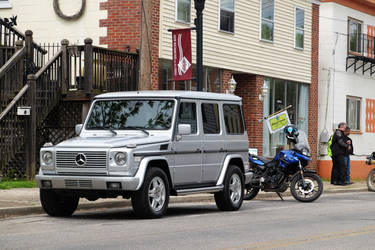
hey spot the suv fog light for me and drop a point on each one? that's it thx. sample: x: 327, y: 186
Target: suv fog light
x: 47, y: 184
x: 113, y: 185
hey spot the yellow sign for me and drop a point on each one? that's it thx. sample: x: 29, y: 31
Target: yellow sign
x: 278, y: 122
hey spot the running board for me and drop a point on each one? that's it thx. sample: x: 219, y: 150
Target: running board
x: 200, y: 190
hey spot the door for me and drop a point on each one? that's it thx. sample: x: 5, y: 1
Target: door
x: 188, y: 148
x: 213, y: 142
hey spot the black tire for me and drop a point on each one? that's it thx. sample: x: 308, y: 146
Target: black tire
x: 250, y: 193
x: 57, y: 205
x: 231, y: 198
x: 146, y: 206
x: 371, y: 180
x: 313, y: 190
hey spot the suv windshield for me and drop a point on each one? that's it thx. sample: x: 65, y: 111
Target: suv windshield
x: 131, y: 114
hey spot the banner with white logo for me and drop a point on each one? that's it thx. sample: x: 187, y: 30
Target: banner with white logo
x: 181, y: 46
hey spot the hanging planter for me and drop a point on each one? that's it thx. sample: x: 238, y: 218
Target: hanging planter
x: 58, y: 11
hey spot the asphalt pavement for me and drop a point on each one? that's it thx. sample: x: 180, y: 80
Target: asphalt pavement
x: 25, y: 201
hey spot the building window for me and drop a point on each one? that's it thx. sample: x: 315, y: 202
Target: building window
x: 183, y: 10
x: 282, y: 93
x: 353, y: 112
x: 355, y: 36
x: 210, y: 118
x: 5, y: 4
x: 267, y: 22
x: 187, y: 115
x: 299, y: 28
x: 227, y: 15
x: 212, y: 79
x: 233, y: 119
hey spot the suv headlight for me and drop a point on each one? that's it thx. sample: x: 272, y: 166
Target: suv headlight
x: 120, y: 158
x: 47, y: 158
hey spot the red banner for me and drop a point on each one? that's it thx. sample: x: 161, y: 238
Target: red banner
x: 181, y: 46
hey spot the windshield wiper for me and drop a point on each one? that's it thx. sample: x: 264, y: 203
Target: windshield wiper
x: 111, y: 130
x: 137, y: 128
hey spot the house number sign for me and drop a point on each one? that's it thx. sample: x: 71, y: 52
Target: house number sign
x: 58, y: 11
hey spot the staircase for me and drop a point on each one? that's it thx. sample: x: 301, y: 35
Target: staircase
x: 58, y: 92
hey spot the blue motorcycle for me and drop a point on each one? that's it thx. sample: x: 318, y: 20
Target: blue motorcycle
x: 287, y: 168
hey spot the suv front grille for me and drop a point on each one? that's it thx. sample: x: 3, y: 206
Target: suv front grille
x: 78, y: 183
x: 93, y: 159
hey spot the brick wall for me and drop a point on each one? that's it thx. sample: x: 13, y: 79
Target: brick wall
x: 123, y: 24
x: 249, y: 88
x: 155, y: 45
x: 313, y: 93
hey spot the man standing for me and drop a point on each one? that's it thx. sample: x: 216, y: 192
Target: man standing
x: 339, y: 148
x: 347, y: 155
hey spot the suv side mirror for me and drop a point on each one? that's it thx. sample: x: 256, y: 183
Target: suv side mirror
x: 184, y: 129
x: 78, y: 128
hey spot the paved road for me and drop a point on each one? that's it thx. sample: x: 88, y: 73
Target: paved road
x: 335, y: 221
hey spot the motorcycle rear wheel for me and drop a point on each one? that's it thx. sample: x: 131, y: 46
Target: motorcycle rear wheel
x: 309, y: 193
x: 250, y: 193
x: 371, y: 180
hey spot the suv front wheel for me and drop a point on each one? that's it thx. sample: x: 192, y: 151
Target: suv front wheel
x: 230, y: 199
x: 151, y: 200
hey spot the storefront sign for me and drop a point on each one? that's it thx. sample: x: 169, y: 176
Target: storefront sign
x: 181, y: 46
x: 278, y: 121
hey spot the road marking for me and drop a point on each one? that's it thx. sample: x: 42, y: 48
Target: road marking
x: 308, y: 239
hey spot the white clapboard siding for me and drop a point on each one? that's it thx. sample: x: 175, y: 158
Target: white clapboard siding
x: 39, y: 16
x: 243, y: 51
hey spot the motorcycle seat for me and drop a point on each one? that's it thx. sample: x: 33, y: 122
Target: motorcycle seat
x: 263, y: 159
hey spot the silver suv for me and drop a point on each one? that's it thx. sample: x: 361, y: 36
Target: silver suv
x: 147, y: 146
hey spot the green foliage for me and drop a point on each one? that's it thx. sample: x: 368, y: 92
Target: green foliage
x: 8, y: 184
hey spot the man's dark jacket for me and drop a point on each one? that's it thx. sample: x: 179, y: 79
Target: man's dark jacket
x: 339, y: 146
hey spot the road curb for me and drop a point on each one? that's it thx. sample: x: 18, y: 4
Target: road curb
x: 37, y: 209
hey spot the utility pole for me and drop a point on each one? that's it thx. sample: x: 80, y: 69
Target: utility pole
x: 146, y: 49
x: 199, y: 7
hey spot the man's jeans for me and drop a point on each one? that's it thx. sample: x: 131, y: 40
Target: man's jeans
x: 347, y: 161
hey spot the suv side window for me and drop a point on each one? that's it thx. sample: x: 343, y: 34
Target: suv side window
x: 233, y: 119
x: 210, y: 117
x: 188, y: 115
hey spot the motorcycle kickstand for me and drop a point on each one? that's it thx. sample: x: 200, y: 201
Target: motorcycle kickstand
x: 279, y: 196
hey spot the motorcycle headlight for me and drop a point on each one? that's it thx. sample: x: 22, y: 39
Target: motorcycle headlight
x: 120, y: 158
x: 47, y: 157
x: 305, y: 152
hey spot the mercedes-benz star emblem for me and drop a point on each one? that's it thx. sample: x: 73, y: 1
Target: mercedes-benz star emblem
x: 80, y: 159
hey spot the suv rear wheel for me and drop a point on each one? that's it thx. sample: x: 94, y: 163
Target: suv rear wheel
x: 151, y: 200
x: 58, y: 205
x: 231, y: 198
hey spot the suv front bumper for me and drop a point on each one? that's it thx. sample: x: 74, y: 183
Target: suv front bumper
x: 88, y: 182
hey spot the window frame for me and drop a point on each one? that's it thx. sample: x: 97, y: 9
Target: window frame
x: 296, y: 28
x: 196, y: 115
x: 176, y: 13
x: 234, y: 14
x: 350, y: 19
x: 218, y: 121
x: 5, y: 4
x: 240, y: 121
x: 358, y: 101
x: 261, y: 22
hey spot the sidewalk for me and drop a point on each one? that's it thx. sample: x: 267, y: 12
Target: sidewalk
x: 25, y: 201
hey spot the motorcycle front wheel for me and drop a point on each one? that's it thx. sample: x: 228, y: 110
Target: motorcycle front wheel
x: 250, y: 193
x: 371, y: 180
x: 311, y: 191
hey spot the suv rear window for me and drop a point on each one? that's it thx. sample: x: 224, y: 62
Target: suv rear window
x: 210, y: 116
x: 233, y: 119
